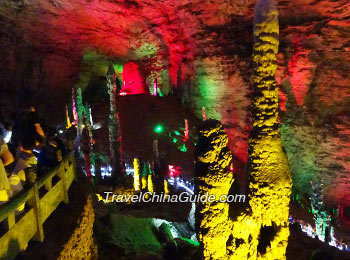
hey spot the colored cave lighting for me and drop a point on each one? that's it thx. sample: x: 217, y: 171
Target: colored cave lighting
x: 133, y: 80
x: 310, y: 231
x: 173, y: 171
x: 74, y: 108
x: 90, y: 114
x: 231, y: 168
x: 182, y: 184
x: 106, y: 171
x: 183, y: 148
x: 92, y: 169
x: 158, y: 129
x: 186, y: 132
x: 204, y: 114
x: 68, y: 119
x: 136, y: 174
x: 177, y: 132
x: 186, y: 185
x: 122, y: 93
x: 129, y: 170
x: 174, y: 140
x: 155, y: 88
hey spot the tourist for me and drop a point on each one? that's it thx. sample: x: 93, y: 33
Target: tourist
x: 27, y: 125
x: 5, y: 159
x: 25, y: 157
x: 50, y: 155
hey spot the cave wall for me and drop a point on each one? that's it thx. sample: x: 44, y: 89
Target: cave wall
x: 202, y: 52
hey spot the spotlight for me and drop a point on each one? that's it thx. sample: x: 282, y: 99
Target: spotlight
x: 158, y: 129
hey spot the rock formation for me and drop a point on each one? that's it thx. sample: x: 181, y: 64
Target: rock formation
x: 211, y: 176
x: 261, y: 230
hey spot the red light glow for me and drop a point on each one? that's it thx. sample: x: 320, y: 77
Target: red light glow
x: 133, y: 80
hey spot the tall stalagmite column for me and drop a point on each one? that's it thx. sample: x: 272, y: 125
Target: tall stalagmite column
x: 80, y: 109
x: 259, y: 231
x: 113, y: 127
x: 212, y: 176
x: 270, y: 181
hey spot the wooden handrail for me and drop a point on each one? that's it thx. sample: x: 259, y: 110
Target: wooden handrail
x: 41, y: 182
x: 30, y: 225
x: 15, y: 202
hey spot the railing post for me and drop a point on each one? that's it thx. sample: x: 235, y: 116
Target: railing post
x: 48, y: 184
x: 11, y: 220
x: 34, y: 202
x: 72, y: 159
x: 30, y: 175
x: 62, y: 175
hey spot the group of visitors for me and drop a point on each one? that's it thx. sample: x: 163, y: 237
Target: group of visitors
x: 24, y: 144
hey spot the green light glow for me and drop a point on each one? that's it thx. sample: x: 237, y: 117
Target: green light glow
x: 183, y: 149
x: 177, y: 132
x: 174, y: 140
x: 158, y: 129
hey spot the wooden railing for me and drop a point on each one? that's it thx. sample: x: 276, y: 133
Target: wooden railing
x: 42, y: 198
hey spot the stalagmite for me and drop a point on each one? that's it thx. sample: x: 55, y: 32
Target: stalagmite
x: 136, y: 174
x: 166, y: 187
x: 150, y: 183
x: 155, y: 87
x: 260, y: 230
x: 68, y: 119
x: 80, y: 109
x: 204, y: 114
x: 144, y: 182
x: 187, y: 131
x: 114, y: 125
x: 212, y: 176
x: 74, y: 109
x: 270, y: 181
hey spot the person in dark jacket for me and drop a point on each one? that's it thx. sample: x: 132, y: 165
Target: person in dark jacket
x: 27, y: 125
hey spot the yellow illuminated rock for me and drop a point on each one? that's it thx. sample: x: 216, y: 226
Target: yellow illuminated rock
x: 136, y: 174
x: 260, y: 230
x: 213, y: 160
x: 166, y: 187
x: 150, y: 184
